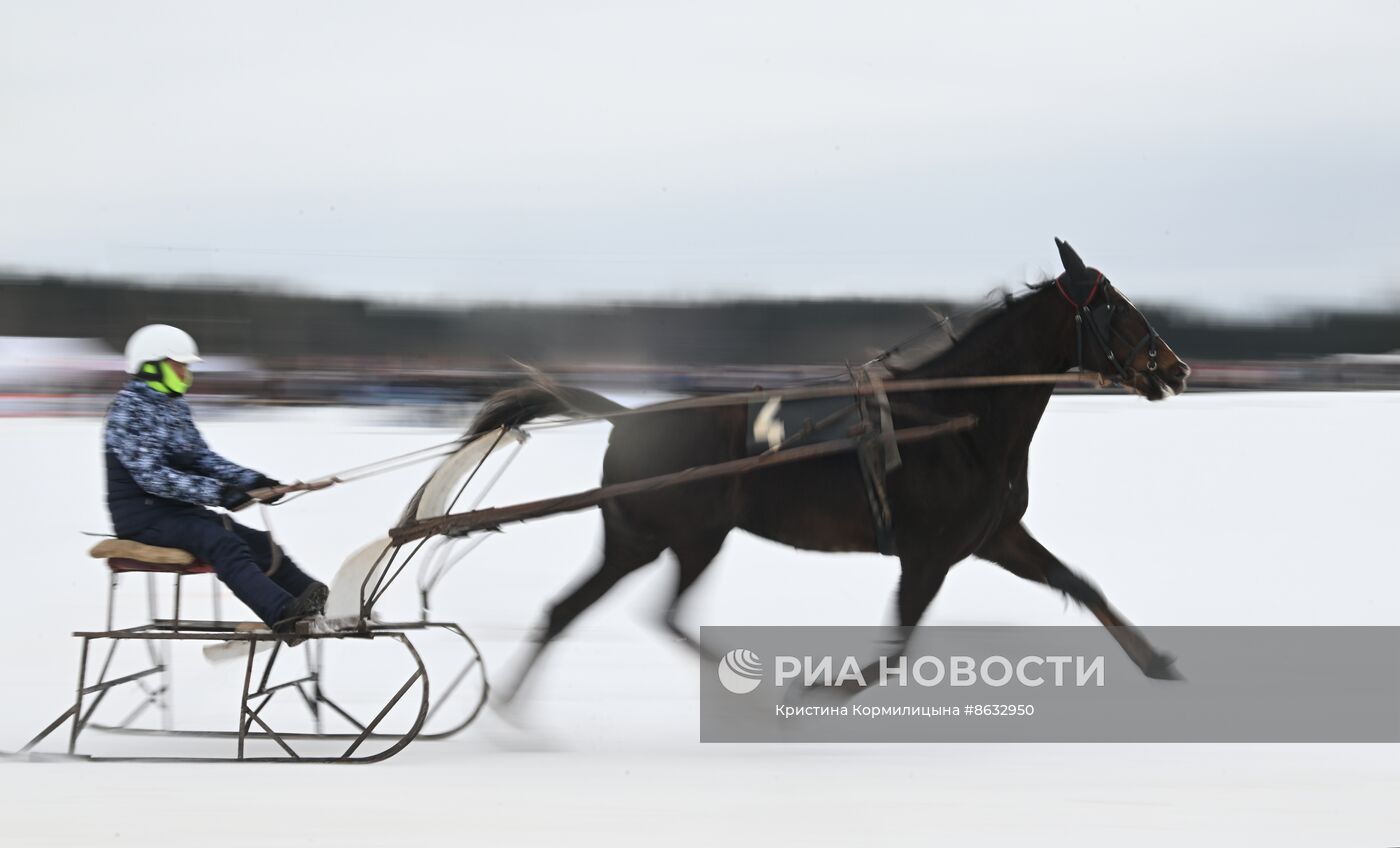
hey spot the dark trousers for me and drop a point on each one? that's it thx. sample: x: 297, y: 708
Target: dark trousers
x: 241, y: 557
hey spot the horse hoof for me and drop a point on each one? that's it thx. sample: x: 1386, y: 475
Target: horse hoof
x: 1162, y: 667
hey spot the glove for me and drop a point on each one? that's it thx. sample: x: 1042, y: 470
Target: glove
x: 266, y: 482
x: 233, y: 498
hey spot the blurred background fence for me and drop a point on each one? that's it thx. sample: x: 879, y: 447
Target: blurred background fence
x: 61, y: 340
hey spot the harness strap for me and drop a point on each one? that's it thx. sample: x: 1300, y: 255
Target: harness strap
x: 873, y: 456
x: 1060, y: 284
x: 1083, y: 311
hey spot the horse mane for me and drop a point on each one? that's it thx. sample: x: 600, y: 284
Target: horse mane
x: 946, y: 337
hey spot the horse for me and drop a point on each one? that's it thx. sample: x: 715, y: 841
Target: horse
x: 951, y: 498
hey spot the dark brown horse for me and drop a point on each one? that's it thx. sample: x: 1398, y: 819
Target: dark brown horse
x: 952, y: 498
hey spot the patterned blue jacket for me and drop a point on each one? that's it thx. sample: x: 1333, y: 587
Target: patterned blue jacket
x: 157, y: 461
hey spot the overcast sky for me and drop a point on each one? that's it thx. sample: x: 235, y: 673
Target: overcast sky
x: 1243, y: 155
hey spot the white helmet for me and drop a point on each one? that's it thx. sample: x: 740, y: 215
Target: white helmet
x: 155, y: 342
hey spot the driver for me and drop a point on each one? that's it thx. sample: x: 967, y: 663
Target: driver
x: 161, y: 476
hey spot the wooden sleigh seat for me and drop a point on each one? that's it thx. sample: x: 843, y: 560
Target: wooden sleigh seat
x: 124, y: 556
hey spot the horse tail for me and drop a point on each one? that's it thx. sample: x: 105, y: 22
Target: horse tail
x: 541, y: 397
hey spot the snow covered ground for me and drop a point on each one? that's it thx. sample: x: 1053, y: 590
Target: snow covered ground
x: 1280, y: 508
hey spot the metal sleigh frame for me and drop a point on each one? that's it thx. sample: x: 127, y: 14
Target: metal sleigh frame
x: 366, y: 742
x: 252, y: 726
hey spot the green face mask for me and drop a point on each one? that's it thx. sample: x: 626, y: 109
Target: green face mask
x: 161, y: 377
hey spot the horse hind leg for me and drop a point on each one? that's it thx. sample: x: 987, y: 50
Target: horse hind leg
x: 692, y: 558
x: 623, y: 553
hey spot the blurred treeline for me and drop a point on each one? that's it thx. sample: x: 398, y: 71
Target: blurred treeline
x: 267, y: 324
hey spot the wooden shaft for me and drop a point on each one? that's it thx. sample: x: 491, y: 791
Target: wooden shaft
x: 465, y: 522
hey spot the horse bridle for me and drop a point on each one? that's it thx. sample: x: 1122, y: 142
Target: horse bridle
x: 1099, y: 320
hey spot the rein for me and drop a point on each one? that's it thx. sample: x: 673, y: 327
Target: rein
x: 358, y: 472
x: 932, y: 384
x: 898, y: 386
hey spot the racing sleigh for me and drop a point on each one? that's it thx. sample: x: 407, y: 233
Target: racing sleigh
x: 288, y: 711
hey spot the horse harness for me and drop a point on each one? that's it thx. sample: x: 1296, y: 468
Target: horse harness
x: 778, y: 423
x: 1098, y: 318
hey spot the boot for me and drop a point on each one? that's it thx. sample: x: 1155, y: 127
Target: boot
x: 304, y: 607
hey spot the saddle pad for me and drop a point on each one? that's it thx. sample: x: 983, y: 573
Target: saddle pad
x: 127, y: 549
x: 772, y: 421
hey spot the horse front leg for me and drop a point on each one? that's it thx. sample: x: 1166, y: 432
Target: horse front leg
x: 920, y: 578
x: 1016, y: 550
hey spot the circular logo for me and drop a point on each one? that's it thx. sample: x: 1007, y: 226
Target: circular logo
x: 740, y: 671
